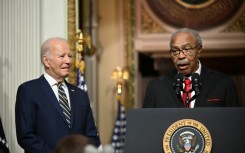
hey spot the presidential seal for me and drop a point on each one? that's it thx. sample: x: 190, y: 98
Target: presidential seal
x: 187, y: 136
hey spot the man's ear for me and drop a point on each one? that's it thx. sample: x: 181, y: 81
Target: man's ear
x: 199, y: 49
x: 45, y: 61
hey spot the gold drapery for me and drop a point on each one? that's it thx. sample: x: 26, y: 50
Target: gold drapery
x: 128, y: 17
x: 72, y: 38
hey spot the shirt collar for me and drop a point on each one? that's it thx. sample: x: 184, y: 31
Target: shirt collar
x: 198, y: 71
x: 50, y: 79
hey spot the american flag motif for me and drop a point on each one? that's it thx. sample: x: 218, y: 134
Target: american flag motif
x: 3, y: 142
x: 81, y: 81
x: 118, y: 137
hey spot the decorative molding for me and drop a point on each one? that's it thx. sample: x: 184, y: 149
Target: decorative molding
x: 238, y: 25
x: 195, y: 4
x: 201, y: 15
x: 128, y: 28
x: 227, y: 36
x: 72, y: 38
x: 148, y: 25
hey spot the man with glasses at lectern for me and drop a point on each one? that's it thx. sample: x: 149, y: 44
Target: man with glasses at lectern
x: 191, y: 84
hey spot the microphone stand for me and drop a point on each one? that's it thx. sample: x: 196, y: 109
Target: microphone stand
x: 193, y: 97
x: 187, y: 102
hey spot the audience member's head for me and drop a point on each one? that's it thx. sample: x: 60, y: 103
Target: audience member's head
x: 72, y: 144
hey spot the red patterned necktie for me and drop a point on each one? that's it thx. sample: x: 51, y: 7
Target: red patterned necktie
x: 187, y: 92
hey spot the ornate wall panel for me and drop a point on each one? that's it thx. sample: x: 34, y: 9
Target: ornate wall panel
x: 196, y: 14
x: 221, y: 23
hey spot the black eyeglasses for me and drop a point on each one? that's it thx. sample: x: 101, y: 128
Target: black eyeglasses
x: 186, y: 51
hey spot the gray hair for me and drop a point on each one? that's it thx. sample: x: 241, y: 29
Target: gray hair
x: 187, y: 30
x: 45, y: 48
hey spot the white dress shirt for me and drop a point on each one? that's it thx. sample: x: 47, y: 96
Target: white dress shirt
x: 198, y: 71
x: 53, y: 84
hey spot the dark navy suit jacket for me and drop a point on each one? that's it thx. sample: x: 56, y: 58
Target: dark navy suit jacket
x: 217, y: 90
x: 40, y: 123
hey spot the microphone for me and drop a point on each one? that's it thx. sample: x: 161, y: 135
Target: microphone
x: 178, y: 84
x: 196, y: 83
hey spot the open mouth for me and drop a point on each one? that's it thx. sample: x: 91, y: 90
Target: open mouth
x: 182, y: 66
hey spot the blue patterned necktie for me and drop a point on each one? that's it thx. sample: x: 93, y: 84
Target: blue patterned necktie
x: 64, y: 104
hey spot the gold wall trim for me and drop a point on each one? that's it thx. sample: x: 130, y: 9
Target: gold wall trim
x: 203, y: 15
x: 149, y: 25
x: 128, y: 29
x: 72, y: 38
x: 238, y: 25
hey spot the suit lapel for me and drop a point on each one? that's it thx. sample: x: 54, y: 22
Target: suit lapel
x: 72, y: 95
x: 206, y: 81
x: 51, y: 96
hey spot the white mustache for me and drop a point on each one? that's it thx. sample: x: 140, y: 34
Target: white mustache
x: 183, y: 61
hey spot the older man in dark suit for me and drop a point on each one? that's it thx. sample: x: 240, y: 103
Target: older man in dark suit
x: 216, y: 89
x: 49, y: 108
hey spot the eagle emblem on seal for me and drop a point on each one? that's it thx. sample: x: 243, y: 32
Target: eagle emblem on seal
x: 187, y: 141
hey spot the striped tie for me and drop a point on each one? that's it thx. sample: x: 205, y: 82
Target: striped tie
x: 64, y: 104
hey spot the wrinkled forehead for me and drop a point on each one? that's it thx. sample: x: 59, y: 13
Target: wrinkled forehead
x: 55, y: 42
x: 59, y: 45
x: 182, y: 39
